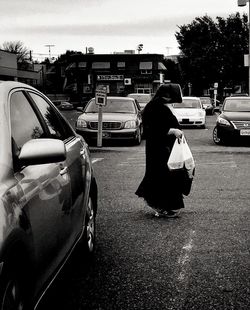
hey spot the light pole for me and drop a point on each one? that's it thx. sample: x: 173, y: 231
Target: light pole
x: 243, y: 3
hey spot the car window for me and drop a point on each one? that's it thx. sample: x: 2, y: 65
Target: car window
x: 113, y: 106
x: 24, y: 123
x: 206, y: 101
x: 57, y: 128
x: 188, y: 103
x: 239, y: 105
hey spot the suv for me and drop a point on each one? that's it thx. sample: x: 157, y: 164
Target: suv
x: 142, y: 99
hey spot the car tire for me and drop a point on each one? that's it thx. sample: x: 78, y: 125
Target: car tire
x: 89, y: 235
x: 217, y: 140
x: 138, y: 138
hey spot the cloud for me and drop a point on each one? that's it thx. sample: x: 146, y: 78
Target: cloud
x: 150, y: 27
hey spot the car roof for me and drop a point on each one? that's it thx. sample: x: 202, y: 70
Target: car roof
x: 190, y: 97
x: 117, y: 97
x: 238, y: 97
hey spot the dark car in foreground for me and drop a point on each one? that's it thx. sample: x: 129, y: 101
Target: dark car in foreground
x: 121, y: 120
x: 48, y: 195
x: 233, y: 123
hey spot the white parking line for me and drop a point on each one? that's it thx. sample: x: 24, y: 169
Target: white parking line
x: 184, y: 258
x: 95, y: 160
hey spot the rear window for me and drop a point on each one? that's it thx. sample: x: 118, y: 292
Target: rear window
x: 188, y: 103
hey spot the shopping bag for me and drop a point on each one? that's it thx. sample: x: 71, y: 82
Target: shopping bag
x: 181, y: 165
x: 181, y: 155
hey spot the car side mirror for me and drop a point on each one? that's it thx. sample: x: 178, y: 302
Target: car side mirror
x: 42, y: 151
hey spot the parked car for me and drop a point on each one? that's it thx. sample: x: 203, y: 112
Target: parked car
x: 190, y: 112
x: 208, y: 104
x: 142, y: 99
x: 121, y: 119
x: 65, y: 105
x: 48, y: 195
x: 233, y: 123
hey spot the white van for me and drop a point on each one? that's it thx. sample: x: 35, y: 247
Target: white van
x: 142, y: 99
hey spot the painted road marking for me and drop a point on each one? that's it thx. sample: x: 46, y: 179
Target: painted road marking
x: 95, y: 160
x: 184, y: 258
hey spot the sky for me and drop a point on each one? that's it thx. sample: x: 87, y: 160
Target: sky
x: 106, y: 25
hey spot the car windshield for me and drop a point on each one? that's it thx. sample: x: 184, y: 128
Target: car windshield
x: 113, y: 106
x: 237, y: 105
x: 188, y: 103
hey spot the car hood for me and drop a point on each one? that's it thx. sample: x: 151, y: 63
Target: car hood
x: 236, y: 116
x: 186, y: 112
x: 107, y: 117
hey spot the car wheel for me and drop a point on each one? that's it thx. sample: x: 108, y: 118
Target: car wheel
x: 90, y: 229
x: 11, y: 292
x: 138, y: 138
x: 216, y: 138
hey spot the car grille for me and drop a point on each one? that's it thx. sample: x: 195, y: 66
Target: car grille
x: 106, y: 125
x: 241, y: 124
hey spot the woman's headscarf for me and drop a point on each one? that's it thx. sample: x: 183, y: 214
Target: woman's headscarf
x: 168, y: 93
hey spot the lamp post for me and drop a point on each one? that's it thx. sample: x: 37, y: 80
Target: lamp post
x: 243, y: 3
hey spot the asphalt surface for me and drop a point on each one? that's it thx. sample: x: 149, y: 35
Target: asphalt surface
x: 200, y: 260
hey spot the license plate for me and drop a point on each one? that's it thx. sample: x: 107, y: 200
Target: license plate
x: 245, y: 132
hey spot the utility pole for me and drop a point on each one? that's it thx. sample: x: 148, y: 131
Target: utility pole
x: 243, y: 3
x: 49, y: 46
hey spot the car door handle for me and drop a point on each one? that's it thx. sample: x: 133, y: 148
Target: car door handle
x: 63, y: 170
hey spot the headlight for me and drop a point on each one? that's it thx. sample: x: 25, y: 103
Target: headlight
x: 223, y: 121
x: 81, y: 123
x: 130, y: 124
x: 201, y: 114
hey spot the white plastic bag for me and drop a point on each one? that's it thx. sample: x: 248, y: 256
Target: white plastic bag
x: 182, y: 166
x: 181, y: 156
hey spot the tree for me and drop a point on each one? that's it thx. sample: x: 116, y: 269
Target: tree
x: 212, y: 51
x: 18, y: 48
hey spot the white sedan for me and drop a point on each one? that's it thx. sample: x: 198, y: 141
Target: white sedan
x: 190, y: 112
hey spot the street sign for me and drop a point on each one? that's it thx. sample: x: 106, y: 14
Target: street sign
x: 101, y: 97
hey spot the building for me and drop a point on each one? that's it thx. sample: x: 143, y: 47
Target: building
x: 9, y: 70
x: 119, y: 73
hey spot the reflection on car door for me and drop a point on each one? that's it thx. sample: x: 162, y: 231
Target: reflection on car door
x: 74, y: 164
x: 45, y: 191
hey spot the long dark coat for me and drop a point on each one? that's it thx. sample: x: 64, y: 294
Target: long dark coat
x: 158, y: 187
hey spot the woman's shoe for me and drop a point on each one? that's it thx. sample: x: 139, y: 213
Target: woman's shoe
x: 171, y: 214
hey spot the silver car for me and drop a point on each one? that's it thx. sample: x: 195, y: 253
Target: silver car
x: 48, y: 194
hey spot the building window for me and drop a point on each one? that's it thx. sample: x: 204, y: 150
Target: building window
x: 143, y: 90
x: 121, y: 65
x: 82, y: 65
x: 146, y: 67
x: 146, y: 71
x: 100, y: 65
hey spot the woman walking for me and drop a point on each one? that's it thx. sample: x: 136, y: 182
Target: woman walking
x: 161, y: 128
